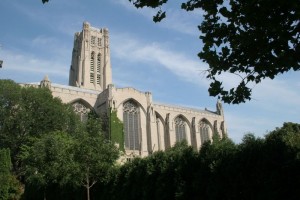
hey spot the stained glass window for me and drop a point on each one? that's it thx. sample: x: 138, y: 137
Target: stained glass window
x: 204, y: 131
x: 180, y: 129
x: 131, y: 120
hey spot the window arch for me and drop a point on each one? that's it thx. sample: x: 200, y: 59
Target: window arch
x: 81, y: 110
x: 204, y: 130
x: 131, y: 120
x: 180, y: 129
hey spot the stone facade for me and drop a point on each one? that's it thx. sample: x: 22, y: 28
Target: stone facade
x: 148, y: 126
x: 90, y: 66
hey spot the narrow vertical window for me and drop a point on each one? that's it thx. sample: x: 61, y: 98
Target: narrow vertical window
x: 92, y: 67
x: 98, y: 63
x: 204, y: 130
x: 93, y: 40
x: 92, y: 61
x: 98, y: 78
x: 99, y: 42
x: 131, y: 120
x: 91, y: 78
x: 180, y: 129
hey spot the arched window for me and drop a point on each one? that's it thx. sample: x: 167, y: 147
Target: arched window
x: 204, y: 130
x: 180, y: 129
x: 92, y: 67
x: 131, y: 120
x: 81, y: 110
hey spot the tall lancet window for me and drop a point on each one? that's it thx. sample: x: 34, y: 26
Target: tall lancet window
x: 92, y: 67
x: 204, y: 130
x: 98, y: 68
x: 98, y: 63
x: 180, y: 129
x: 131, y: 120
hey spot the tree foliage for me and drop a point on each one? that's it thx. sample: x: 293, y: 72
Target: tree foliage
x: 94, y: 156
x: 5, y: 167
x: 79, y: 159
x: 27, y: 112
x: 10, y: 187
x: 252, y: 39
x: 257, y: 168
x: 48, y: 161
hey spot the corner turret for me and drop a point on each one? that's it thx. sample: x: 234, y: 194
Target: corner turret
x: 45, y: 82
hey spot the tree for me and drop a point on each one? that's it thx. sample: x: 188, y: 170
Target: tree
x: 252, y: 39
x: 48, y: 161
x: 9, y: 187
x: 82, y: 158
x: 5, y: 166
x: 94, y: 156
x: 27, y: 112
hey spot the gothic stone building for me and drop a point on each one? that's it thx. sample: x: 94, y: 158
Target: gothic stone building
x: 147, y: 126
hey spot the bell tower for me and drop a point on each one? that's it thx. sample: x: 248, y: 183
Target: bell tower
x: 90, y: 66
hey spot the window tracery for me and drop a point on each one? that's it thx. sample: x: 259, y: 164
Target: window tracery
x: 204, y: 129
x: 131, y: 120
x: 180, y: 129
x: 81, y: 110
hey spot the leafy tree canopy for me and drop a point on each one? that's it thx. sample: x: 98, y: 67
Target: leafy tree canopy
x: 48, y: 160
x: 252, y: 39
x: 28, y: 112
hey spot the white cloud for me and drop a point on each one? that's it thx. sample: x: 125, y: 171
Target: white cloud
x: 274, y: 102
x: 177, y: 19
x: 240, y: 123
x: 156, y: 55
x: 281, y: 90
x: 17, y: 63
x: 182, y: 21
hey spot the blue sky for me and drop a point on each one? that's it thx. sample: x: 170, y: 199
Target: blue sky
x: 37, y: 39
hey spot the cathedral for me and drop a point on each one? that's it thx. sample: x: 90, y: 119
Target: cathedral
x: 147, y: 126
